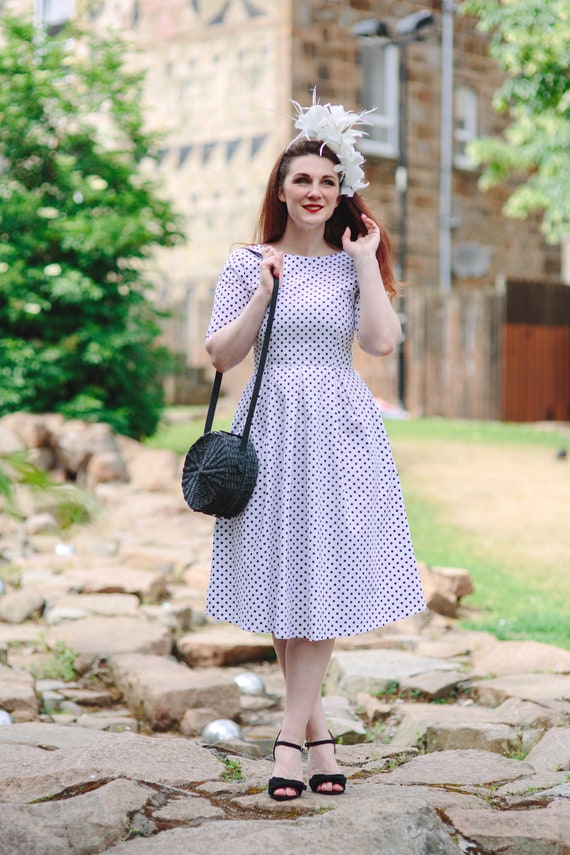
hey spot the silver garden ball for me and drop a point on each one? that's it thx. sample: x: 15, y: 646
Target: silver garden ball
x: 249, y: 683
x: 221, y: 730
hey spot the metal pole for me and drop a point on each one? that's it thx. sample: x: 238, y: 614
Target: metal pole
x: 402, y: 187
x: 446, y: 145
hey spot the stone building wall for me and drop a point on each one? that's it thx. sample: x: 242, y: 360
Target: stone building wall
x: 217, y: 88
x: 325, y: 52
x: 219, y: 77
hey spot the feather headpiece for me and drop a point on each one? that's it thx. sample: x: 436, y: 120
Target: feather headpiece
x: 335, y: 127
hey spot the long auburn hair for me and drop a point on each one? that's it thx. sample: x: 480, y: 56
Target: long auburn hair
x: 272, y: 218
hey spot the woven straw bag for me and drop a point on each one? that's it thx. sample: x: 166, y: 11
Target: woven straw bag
x: 220, y: 468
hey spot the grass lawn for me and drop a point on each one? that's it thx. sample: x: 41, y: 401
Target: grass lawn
x: 517, y: 596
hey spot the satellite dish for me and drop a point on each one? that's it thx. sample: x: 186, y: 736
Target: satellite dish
x: 470, y: 259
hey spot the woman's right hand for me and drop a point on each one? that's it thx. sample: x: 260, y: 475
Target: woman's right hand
x: 271, y: 265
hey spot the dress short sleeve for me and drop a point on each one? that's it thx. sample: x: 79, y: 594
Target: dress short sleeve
x: 356, y: 315
x: 237, y: 283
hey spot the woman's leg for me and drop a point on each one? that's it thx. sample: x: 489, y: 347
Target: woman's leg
x: 304, y: 664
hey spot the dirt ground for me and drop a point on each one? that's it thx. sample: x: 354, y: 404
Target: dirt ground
x: 517, y: 499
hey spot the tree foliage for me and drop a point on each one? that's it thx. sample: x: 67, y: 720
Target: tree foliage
x: 78, y: 221
x: 530, y: 40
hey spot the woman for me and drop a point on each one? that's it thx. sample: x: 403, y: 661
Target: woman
x: 323, y: 548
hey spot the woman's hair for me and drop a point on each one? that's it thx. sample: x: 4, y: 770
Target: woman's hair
x: 272, y: 218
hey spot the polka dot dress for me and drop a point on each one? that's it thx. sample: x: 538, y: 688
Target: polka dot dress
x: 323, y: 548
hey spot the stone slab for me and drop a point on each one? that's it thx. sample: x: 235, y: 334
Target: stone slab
x: 538, y: 688
x: 224, y: 645
x: 392, y: 826
x: 160, y: 689
x: 542, y: 831
x: 374, y: 671
x: 434, y: 684
x: 465, y: 768
x: 108, y: 605
x: 18, y: 606
x: 497, y: 738
x: 170, y: 761
x: 82, y: 825
x: 552, y: 754
x: 520, y: 657
x: 111, y: 576
x: 46, y: 737
x: 103, y: 637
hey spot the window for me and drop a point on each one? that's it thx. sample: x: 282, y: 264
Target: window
x: 379, y: 89
x: 55, y: 13
x: 465, y: 130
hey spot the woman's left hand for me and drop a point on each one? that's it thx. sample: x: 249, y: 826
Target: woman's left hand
x: 364, y: 245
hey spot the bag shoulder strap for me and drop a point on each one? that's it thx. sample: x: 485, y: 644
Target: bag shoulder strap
x: 259, y: 374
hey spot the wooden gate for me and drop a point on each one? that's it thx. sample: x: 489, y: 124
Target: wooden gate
x: 453, y: 353
x: 536, y: 352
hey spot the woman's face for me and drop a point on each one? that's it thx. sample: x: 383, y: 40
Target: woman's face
x: 310, y: 190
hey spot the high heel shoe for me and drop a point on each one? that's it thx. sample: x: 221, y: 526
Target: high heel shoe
x: 285, y: 783
x: 315, y: 781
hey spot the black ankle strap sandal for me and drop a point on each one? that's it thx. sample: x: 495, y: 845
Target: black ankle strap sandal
x: 315, y: 781
x: 285, y: 783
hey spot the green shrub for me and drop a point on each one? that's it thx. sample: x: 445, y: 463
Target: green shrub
x: 78, y: 220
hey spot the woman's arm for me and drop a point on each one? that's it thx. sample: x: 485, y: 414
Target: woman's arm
x: 379, y: 329
x: 229, y: 345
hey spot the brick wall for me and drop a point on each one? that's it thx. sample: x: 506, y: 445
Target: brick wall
x: 325, y: 53
x: 219, y: 78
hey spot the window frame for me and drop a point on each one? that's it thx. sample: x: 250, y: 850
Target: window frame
x: 388, y: 148
x: 52, y: 19
x: 464, y: 135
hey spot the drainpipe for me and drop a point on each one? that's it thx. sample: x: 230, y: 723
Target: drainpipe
x: 446, y: 145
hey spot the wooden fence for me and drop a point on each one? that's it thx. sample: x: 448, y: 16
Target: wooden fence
x: 536, y: 352
x: 451, y: 355
x: 482, y: 354
x: 501, y: 354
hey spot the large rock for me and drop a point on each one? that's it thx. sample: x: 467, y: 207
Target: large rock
x: 9, y: 441
x: 552, y: 754
x: 32, y: 429
x: 113, y: 577
x: 465, y: 768
x: 151, y: 469
x: 416, y: 718
x: 17, y: 695
x: 227, y: 645
x: 543, y: 831
x: 19, y: 606
x: 391, y: 826
x: 51, y: 737
x: 526, y: 714
x: 161, y: 690
x: 375, y: 671
x: 74, y: 606
x: 87, y: 823
x: 498, y: 738
x: 89, y: 450
x: 102, y: 637
x: 169, y: 762
x: 444, y: 587
x: 520, y: 657
x: 546, y: 689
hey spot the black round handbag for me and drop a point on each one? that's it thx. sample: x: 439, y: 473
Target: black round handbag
x: 218, y: 477
x: 220, y: 468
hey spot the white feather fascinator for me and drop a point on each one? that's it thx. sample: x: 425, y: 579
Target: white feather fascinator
x: 335, y: 127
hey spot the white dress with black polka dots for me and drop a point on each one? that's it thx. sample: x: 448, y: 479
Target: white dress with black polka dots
x: 323, y: 548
